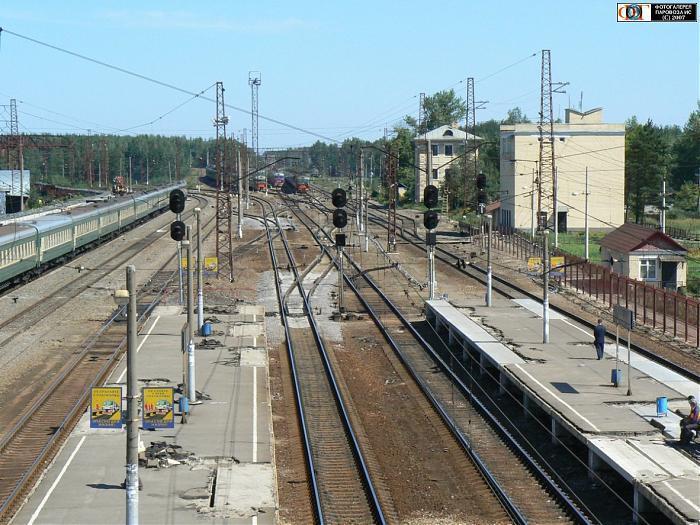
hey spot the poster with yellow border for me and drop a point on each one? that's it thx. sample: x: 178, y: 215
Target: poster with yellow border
x: 106, y: 407
x: 556, y: 262
x: 534, y: 264
x: 211, y: 264
x: 158, y: 408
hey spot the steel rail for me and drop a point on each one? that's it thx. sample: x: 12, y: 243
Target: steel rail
x: 568, y: 502
x: 69, y: 421
x: 507, y: 289
x: 357, y: 452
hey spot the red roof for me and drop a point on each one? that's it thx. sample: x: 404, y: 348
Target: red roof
x: 630, y: 237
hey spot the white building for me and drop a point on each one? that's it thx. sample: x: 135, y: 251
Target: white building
x: 435, y: 154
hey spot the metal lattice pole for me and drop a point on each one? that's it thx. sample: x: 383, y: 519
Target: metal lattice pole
x: 470, y: 128
x: 391, y: 166
x: 545, y: 178
x: 254, y: 80
x: 224, y: 252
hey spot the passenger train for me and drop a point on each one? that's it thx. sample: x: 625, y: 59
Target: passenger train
x: 27, y: 246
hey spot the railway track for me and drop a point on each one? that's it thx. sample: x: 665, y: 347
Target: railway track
x: 510, y: 290
x: 342, y: 490
x: 31, y: 444
x: 527, y: 492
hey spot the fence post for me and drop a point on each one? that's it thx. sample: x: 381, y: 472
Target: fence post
x: 644, y: 301
x: 635, y: 301
x: 697, y: 325
x: 596, y: 282
x: 653, y: 307
x: 627, y: 286
x: 611, y: 288
x: 675, y: 313
x: 685, y: 332
x: 663, y: 294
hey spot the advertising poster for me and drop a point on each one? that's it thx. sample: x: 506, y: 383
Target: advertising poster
x: 106, y: 407
x: 158, y: 408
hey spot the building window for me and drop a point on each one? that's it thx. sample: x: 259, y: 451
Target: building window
x: 436, y: 149
x: 435, y: 174
x: 448, y: 150
x: 647, y: 269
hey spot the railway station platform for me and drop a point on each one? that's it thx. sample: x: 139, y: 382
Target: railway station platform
x: 564, y: 380
x: 216, y: 468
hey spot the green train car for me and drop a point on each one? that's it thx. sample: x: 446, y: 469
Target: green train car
x: 28, y: 246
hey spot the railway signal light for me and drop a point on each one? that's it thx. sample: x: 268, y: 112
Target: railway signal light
x: 177, y: 230
x: 177, y: 201
x: 481, y: 197
x: 430, y: 196
x: 339, y: 197
x: 431, y: 219
x: 340, y: 218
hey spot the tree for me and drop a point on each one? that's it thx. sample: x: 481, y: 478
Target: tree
x: 686, y: 198
x: 442, y: 108
x: 516, y: 116
x: 686, y: 152
x: 647, y: 162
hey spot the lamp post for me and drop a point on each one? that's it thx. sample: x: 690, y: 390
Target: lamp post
x: 489, y: 277
x: 200, y: 262
x: 545, y: 290
x: 128, y: 298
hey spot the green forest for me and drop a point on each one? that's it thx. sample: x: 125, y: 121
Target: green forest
x: 653, y: 152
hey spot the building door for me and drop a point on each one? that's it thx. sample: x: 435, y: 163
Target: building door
x: 561, y: 221
x: 668, y: 274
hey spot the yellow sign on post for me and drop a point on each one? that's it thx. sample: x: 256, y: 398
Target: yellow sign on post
x: 158, y: 408
x: 211, y: 264
x: 534, y: 264
x: 106, y: 407
x: 556, y: 262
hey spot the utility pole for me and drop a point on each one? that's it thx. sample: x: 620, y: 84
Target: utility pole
x: 240, y: 194
x: 131, y: 187
x: 556, y: 210
x: 470, y: 127
x: 532, y: 207
x: 191, y: 394
x: 254, y: 81
x: 360, y: 203
x: 545, y: 180
x: 585, y: 218
x: 147, y: 163
x: 132, y: 405
x: 545, y: 288
x: 489, y: 275
x: 200, y: 263
x: 663, y: 205
x: 224, y: 251
x: 391, y: 168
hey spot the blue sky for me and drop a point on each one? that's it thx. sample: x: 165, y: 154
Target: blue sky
x: 335, y: 68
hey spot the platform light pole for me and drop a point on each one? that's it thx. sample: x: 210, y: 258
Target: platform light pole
x: 200, y: 262
x: 240, y: 195
x: 191, y: 392
x: 489, y: 274
x: 545, y: 289
x: 131, y: 484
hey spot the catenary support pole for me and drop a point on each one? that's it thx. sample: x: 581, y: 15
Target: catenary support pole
x: 191, y: 394
x: 200, y: 281
x: 545, y: 288
x: 532, y: 208
x: 585, y: 218
x: 555, y: 199
x: 240, y: 196
x: 617, y: 354
x: 132, y: 405
x: 489, y: 275
x: 629, y: 362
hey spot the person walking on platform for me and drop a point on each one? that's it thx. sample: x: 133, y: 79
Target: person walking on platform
x: 599, y: 338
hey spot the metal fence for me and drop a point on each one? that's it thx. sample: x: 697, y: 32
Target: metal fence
x: 671, y: 312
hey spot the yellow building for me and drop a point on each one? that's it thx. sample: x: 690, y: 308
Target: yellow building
x: 435, y: 154
x: 583, y: 143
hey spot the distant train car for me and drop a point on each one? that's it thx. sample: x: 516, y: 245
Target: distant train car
x: 260, y: 182
x: 276, y: 180
x: 303, y: 184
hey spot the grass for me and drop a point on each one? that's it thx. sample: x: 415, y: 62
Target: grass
x: 573, y: 243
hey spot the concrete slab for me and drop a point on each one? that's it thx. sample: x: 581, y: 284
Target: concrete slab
x: 679, y: 499
x: 536, y: 308
x: 231, y: 427
x: 627, y: 461
x: 670, y: 423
